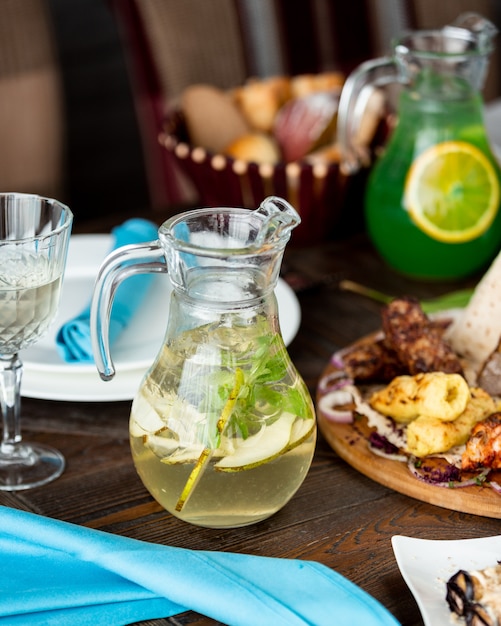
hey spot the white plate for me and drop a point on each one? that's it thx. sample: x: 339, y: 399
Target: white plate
x: 47, y: 376
x: 426, y: 565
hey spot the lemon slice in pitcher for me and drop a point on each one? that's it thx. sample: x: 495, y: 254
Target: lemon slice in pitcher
x: 452, y: 192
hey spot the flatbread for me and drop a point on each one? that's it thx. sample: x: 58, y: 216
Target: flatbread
x: 476, y: 333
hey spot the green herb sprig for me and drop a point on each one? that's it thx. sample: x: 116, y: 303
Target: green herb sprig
x: 452, y: 300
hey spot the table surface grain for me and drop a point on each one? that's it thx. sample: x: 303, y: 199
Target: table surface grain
x: 338, y: 517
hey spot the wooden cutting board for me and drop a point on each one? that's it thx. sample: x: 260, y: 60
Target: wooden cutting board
x: 349, y: 442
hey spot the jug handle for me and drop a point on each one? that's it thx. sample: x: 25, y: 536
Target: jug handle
x: 360, y: 107
x: 117, y: 266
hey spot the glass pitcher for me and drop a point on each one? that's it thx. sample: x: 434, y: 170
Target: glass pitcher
x: 432, y: 197
x: 222, y: 429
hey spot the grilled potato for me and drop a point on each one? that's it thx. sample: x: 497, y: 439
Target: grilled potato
x: 430, y: 435
x: 440, y: 395
x: 434, y: 394
x: 397, y: 399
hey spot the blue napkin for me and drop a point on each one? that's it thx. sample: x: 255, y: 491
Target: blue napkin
x: 56, y: 573
x: 73, y: 338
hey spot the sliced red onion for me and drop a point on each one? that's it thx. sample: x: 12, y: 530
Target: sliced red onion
x: 337, y: 398
x: 392, y: 456
x: 337, y: 360
x: 496, y: 486
x: 326, y: 381
x: 333, y: 380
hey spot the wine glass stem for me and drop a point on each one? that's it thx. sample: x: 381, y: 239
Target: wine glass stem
x: 11, y: 370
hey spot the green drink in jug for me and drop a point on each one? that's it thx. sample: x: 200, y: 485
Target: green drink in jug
x: 432, y: 202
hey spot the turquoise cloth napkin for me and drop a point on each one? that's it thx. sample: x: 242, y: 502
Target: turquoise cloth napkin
x: 59, y: 574
x: 73, y: 338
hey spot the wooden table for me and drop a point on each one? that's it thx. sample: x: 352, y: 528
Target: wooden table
x: 338, y: 517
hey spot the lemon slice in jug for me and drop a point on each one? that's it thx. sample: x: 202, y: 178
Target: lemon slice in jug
x: 452, y: 192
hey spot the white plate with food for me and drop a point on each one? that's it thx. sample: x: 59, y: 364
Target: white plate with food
x: 47, y: 376
x: 426, y: 565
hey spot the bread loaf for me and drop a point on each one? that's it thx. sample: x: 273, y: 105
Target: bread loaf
x: 212, y: 118
x: 255, y: 148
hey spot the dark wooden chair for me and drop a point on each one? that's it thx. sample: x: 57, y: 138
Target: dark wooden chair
x: 32, y: 117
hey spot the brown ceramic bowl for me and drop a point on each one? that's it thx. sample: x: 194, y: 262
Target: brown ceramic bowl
x: 317, y: 191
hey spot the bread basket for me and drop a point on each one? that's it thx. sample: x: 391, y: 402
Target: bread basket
x: 316, y: 189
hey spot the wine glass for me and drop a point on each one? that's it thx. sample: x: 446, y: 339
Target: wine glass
x: 34, y: 237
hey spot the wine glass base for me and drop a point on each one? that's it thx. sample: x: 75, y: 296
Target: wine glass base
x: 33, y: 465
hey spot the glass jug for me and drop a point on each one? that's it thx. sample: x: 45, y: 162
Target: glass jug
x: 432, y: 197
x: 222, y: 428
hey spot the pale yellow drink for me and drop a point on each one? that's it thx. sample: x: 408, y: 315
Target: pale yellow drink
x: 28, y: 300
x: 233, y: 438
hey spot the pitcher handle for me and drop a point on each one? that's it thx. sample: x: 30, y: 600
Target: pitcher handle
x: 360, y: 109
x: 117, y: 266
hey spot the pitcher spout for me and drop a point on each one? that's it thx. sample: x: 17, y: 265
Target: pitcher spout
x: 280, y: 218
x: 482, y: 28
